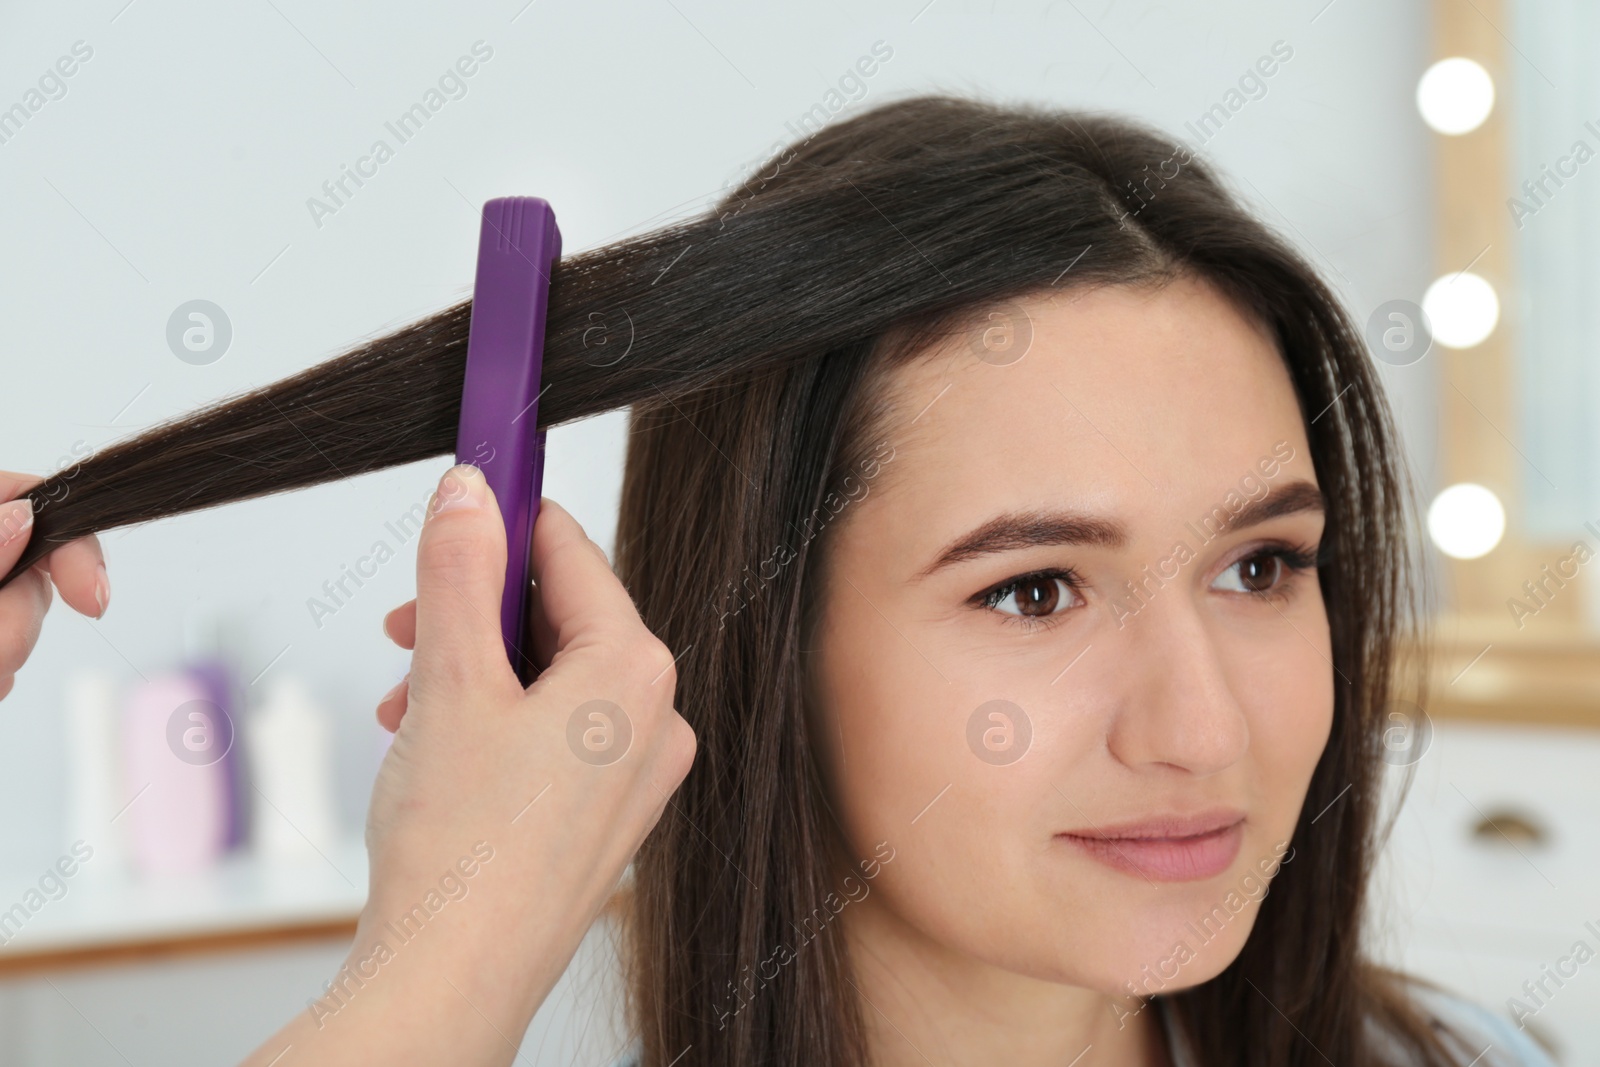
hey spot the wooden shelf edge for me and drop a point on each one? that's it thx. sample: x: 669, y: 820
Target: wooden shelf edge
x: 146, y: 950
x: 1484, y: 670
x: 13, y: 964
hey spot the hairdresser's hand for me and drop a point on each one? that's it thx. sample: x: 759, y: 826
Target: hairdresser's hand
x: 496, y: 834
x: 77, y: 568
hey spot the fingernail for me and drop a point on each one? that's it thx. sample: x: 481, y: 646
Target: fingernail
x: 102, y: 589
x: 461, y: 487
x: 16, y: 519
x: 391, y: 694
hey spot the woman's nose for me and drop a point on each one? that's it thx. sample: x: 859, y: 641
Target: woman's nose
x: 1178, y: 705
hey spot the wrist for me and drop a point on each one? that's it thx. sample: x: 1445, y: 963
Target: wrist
x: 479, y: 952
x: 434, y: 998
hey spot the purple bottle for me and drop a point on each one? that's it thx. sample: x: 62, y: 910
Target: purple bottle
x: 209, y: 657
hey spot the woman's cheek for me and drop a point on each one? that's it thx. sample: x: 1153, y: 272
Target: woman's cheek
x: 1291, y: 718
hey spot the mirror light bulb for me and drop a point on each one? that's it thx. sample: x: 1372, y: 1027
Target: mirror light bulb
x: 1462, y: 309
x: 1455, y: 95
x: 1466, y: 520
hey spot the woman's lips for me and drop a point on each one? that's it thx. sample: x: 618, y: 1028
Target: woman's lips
x: 1168, y: 859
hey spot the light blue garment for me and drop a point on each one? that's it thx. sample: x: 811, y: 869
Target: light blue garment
x: 1493, y: 1038
x: 1501, y: 1042
x: 1508, y: 1045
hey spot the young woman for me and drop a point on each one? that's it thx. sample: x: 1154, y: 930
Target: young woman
x: 1023, y: 529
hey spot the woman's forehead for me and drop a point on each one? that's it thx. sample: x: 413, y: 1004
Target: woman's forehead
x: 1134, y: 399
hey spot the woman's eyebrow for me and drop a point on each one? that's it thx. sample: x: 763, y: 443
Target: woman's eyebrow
x: 1290, y: 498
x: 1028, y: 529
x: 1032, y: 529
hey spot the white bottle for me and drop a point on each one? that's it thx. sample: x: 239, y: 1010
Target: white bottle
x: 291, y: 768
x: 96, y: 794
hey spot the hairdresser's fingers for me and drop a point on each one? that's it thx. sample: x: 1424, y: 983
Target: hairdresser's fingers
x: 400, y: 625
x: 392, y: 707
x: 22, y: 607
x: 16, y: 526
x: 23, y: 602
x: 461, y: 567
x: 581, y: 601
x: 14, y: 483
x: 77, y: 568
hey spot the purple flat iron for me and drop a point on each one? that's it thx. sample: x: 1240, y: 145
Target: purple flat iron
x: 518, y: 246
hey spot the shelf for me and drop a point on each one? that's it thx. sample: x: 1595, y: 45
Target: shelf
x: 109, y: 915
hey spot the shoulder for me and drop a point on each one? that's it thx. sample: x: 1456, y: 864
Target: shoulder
x: 1495, y: 1038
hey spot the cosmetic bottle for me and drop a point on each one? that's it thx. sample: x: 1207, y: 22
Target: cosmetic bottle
x: 174, y: 738
x: 95, y: 791
x: 291, y: 764
x: 210, y: 655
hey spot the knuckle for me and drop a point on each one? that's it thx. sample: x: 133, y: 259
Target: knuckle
x: 566, y: 545
x: 654, y: 660
x: 455, y: 546
x: 681, y: 746
x: 615, y: 637
x: 14, y: 648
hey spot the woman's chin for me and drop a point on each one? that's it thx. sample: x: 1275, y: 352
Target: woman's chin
x: 1170, y: 958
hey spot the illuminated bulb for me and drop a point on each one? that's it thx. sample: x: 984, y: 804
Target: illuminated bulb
x: 1466, y: 520
x: 1455, y: 95
x: 1462, y: 309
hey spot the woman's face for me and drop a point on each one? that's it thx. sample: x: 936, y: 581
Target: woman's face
x: 1078, y: 596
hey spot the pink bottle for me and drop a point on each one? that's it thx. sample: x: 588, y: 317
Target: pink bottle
x: 174, y: 738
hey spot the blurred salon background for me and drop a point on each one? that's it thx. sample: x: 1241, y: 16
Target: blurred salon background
x: 193, y: 206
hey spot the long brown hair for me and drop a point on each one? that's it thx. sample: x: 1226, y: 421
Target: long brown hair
x: 752, y: 367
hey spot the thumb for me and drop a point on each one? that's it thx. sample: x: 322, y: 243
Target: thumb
x: 461, y: 570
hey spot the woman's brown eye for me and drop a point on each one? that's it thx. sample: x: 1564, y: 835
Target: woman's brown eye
x: 1253, y: 574
x: 1033, y: 597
